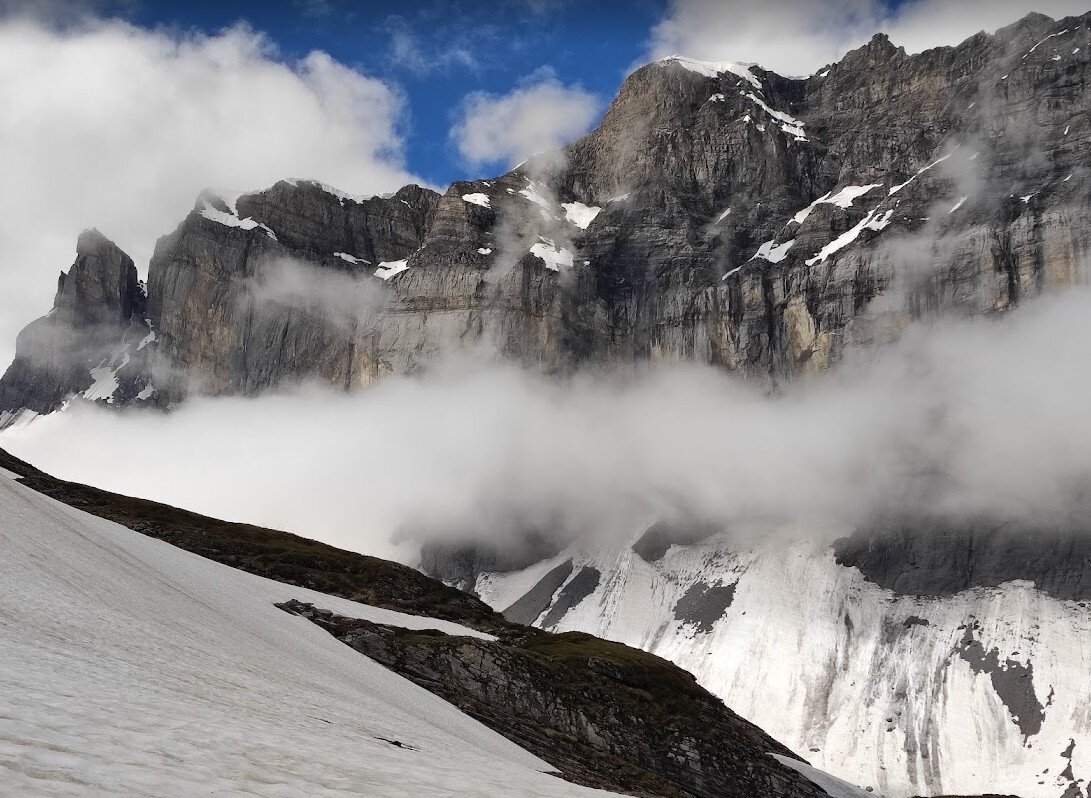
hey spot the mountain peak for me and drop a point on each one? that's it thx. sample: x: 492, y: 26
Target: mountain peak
x: 713, y: 69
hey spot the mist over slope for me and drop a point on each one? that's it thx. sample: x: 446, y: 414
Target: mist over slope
x: 964, y: 417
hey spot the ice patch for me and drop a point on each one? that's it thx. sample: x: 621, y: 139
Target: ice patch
x: 723, y: 216
x: 554, y: 257
x: 713, y: 69
x: 789, y: 124
x: 477, y: 199
x: 579, y: 214
x: 618, y: 198
x: 350, y: 258
x: 1046, y: 39
x: 846, y: 238
x: 773, y: 253
x: 147, y: 339
x: 1027, y: 198
x: 214, y: 215
x: 104, y: 386
x: 146, y: 392
x: 532, y: 194
x: 484, y: 251
x: 895, y: 189
x: 716, y: 98
x: 842, y: 199
x: 343, y: 196
x: 391, y: 268
x: 957, y: 205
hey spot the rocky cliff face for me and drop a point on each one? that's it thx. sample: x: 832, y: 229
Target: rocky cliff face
x: 718, y: 214
x: 80, y: 347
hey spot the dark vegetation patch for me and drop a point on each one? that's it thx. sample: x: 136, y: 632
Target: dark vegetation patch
x: 605, y: 715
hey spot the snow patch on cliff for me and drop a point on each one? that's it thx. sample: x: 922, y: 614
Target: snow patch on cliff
x: 713, y: 69
x: 579, y: 214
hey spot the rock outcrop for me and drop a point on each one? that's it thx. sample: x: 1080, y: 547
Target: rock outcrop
x: 603, y: 714
x: 76, y: 348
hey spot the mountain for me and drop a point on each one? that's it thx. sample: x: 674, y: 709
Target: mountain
x: 132, y: 666
x: 720, y: 214
x: 729, y: 216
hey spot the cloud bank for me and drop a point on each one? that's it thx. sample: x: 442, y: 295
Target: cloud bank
x: 976, y: 416
x: 539, y: 115
x: 796, y: 37
x: 113, y: 126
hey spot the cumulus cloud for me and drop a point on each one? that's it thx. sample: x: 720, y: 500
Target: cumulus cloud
x: 796, y: 37
x: 117, y: 127
x: 981, y: 415
x: 538, y: 115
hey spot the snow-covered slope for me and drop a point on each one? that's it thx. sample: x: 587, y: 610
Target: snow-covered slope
x: 985, y: 691
x: 130, y: 667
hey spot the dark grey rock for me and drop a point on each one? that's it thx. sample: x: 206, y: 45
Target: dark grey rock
x: 603, y: 714
x: 1012, y: 681
x: 582, y: 585
x: 936, y: 556
x: 99, y: 303
x: 529, y: 607
x: 703, y: 604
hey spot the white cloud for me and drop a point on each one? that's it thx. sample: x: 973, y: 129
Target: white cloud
x: 117, y: 127
x: 539, y: 115
x: 982, y: 415
x: 407, y: 49
x: 795, y: 37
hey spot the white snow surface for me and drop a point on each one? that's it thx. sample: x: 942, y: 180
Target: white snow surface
x: 579, y: 214
x: 227, y: 219
x: 343, y: 196
x: 788, y: 123
x: 532, y: 193
x: 391, y: 268
x: 347, y: 258
x: 772, y: 252
x: 104, y: 385
x: 555, y: 257
x: 858, y: 680
x: 842, y: 199
x: 713, y: 69
x: 129, y: 667
x: 831, y: 784
x: 477, y: 199
x: 895, y: 189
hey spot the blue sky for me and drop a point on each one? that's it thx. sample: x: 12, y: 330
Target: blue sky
x: 437, y: 52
